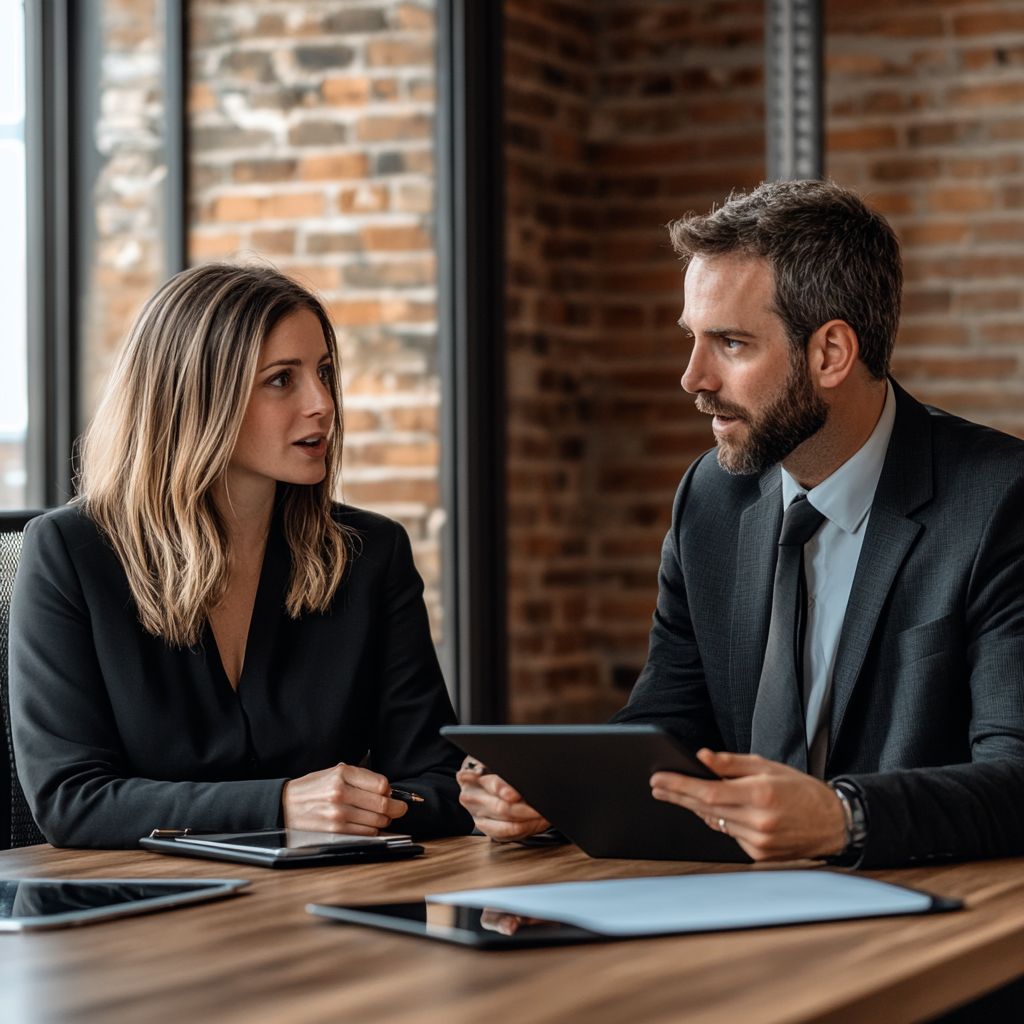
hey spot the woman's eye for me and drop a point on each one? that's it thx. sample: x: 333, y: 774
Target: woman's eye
x: 280, y: 380
x: 325, y: 374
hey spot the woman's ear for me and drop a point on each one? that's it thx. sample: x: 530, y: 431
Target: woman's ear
x: 832, y: 353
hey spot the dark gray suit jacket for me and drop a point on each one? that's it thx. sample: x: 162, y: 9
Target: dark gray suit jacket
x: 928, y: 692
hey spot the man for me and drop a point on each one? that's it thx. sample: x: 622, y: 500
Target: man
x: 841, y: 593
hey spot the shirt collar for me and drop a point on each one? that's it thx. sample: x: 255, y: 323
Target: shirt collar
x: 845, y: 497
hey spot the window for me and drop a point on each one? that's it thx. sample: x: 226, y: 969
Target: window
x: 13, y: 340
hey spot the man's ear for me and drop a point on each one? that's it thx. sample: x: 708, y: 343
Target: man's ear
x: 832, y: 353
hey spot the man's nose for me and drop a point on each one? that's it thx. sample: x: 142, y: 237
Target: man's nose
x: 699, y: 374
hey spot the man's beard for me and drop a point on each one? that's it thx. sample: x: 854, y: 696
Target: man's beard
x: 797, y: 414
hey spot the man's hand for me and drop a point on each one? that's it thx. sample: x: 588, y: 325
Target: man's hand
x: 498, y: 810
x: 344, y: 798
x: 773, y: 811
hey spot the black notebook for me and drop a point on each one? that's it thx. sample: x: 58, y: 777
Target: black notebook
x: 280, y: 847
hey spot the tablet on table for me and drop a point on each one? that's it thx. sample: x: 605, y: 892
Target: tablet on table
x: 30, y: 904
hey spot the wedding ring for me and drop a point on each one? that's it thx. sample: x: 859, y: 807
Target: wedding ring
x: 722, y: 826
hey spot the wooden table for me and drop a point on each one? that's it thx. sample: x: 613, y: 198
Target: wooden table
x: 260, y: 958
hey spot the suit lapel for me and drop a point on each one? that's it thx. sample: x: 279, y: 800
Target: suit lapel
x: 904, y: 486
x: 756, y: 554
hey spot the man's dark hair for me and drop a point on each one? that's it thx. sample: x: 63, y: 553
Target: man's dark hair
x: 832, y: 258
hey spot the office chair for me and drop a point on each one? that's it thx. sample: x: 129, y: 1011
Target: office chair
x: 17, y: 827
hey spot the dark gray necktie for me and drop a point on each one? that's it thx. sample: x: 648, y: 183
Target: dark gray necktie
x: 778, y: 731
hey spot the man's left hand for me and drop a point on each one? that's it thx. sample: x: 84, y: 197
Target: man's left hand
x: 773, y: 811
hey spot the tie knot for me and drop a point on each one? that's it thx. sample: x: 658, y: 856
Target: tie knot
x: 800, y: 522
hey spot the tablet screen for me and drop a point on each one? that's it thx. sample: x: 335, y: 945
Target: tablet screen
x: 28, y: 903
x: 464, y: 925
x: 291, y: 841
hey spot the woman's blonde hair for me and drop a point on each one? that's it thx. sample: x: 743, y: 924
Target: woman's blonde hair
x: 165, y: 431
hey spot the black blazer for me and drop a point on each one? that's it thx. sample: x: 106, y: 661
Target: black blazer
x: 117, y: 733
x: 928, y: 691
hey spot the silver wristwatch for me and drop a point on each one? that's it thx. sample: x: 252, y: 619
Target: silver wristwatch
x: 856, y: 820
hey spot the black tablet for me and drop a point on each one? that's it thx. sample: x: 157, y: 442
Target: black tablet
x: 463, y: 925
x: 554, y: 913
x: 30, y: 904
x: 282, y: 848
x: 592, y: 782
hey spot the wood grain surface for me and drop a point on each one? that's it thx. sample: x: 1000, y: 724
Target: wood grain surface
x: 259, y: 958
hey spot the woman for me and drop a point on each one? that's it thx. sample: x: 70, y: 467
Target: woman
x: 202, y: 638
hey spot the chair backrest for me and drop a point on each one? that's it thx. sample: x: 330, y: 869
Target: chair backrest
x: 17, y: 827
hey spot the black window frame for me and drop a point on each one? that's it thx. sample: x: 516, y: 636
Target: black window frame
x: 63, y: 51
x: 471, y: 313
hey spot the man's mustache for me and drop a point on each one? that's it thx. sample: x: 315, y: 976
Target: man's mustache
x: 711, y: 406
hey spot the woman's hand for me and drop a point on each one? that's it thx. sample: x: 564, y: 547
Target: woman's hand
x: 498, y: 810
x: 341, y: 799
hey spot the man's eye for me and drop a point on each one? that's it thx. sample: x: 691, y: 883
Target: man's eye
x: 732, y: 344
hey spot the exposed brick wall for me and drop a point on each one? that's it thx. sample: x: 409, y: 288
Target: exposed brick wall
x: 620, y: 117
x: 550, y: 64
x: 311, y: 134
x: 678, y: 124
x: 126, y: 260
x: 924, y: 118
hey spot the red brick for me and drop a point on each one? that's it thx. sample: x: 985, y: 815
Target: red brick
x: 281, y: 240
x: 415, y: 418
x: 385, y: 89
x: 360, y: 420
x: 354, y: 312
x: 993, y: 94
x: 395, y: 489
x: 203, y: 246
x: 890, y: 203
x: 403, y: 53
x: 415, y: 197
x: 387, y: 128
x: 988, y: 300
x: 1010, y: 231
x: 1001, y: 22
x: 395, y: 238
x: 422, y: 90
x: 394, y: 454
x: 201, y: 98
x: 927, y: 233
x: 333, y: 166
x: 364, y: 199
x: 939, y: 333
x: 973, y: 367
x: 347, y: 90
x: 861, y: 138
x: 1003, y: 333
x: 935, y: 300
x: 961, y: 198
x: 413, y: 17
x: 280, y: 205
x: 314, y: 276
x: 246, y: 171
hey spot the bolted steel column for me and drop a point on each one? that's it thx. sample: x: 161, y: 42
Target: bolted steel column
x: 794, y: 88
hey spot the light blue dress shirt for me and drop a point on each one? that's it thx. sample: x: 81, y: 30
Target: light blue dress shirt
x: 830, y: 562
